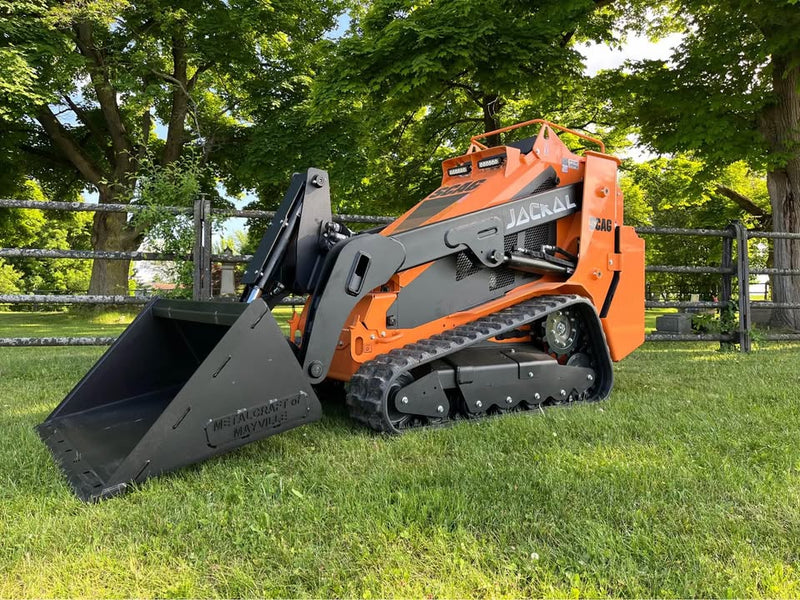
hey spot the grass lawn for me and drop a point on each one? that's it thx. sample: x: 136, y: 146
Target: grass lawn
x: 686, y: 482
x: 61, y: 324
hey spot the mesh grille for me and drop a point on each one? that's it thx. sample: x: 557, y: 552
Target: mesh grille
x: 549, y: 184
x: 501, y: 278
x: 464, y: 266
x: 535, y: 237
x: 511, y: 242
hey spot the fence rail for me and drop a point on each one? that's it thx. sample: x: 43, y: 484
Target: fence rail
x: 173, y: 210
x: 734, y: 264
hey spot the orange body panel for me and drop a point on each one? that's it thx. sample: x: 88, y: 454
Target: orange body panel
x: 609, y: 254
x: 624, y: 323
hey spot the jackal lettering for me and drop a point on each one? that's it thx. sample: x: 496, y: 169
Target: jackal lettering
x: 537, y: 210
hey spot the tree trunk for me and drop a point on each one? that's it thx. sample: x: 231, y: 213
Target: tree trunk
x: 110, y: 232
x: 784, y: 191
x: 491, y: 106
x: 780, y: 125
x: 180, y: 102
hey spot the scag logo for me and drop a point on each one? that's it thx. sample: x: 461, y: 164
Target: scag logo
x: 600, y: 224
x: 461, y: 188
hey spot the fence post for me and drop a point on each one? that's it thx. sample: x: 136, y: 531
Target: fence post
x: 743, y: 275
x: 201, y: 288
x: 727, y: 283
x: 198, y: 249
x: 206, y: 247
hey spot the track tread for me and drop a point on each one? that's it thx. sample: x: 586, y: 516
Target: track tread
x: 369, y: 386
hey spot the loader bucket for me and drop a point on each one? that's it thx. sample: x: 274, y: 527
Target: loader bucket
x: 184, y: 382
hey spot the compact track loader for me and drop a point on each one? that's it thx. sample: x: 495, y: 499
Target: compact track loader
x: 512, y: 286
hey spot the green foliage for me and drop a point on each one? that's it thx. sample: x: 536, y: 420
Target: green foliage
x: 21, y: 29
x: 711, y: 96
x: 725, y: 321
x: 49, y: 230
x: 405, y: 56
x: 9, y: 279
x: 677, y: 192
x: 178, y: 183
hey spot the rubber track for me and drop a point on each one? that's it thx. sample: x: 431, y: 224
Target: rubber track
x: 369, y: 386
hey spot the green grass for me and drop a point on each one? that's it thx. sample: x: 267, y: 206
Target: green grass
x: 65, y: 324
x: 61, y: 324
x: 686, y: 482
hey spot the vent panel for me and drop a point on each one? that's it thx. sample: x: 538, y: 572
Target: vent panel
x: 531, y: 239
x: 536, y: 237
x: 464, y: 266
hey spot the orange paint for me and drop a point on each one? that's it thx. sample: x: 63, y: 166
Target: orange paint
x: 606, y: 249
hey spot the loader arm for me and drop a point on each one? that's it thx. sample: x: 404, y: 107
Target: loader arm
x: 364, y: 262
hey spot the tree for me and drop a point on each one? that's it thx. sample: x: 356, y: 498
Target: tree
x: 677, y: 192
x: 730, y: 92
x: 51, y: 230
x: 411, y: 82
x: 87, y: 86
x: 466, y: 56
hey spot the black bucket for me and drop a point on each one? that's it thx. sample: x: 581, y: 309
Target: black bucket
x: 184, y: 382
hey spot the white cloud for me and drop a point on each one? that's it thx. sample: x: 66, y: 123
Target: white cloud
x: 637, y: 47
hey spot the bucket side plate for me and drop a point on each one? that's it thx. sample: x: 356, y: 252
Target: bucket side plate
x: 247, y: 386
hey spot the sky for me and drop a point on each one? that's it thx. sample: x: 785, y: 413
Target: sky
x: 599, y: 56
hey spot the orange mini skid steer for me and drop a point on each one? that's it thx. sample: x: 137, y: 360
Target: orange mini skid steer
x: 512, y: 286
